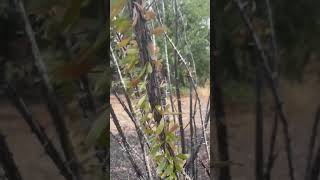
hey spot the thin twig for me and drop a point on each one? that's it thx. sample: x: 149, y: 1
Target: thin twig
x: 272, y: 82
x: 272, y: 156
x: 7, y: 162
x: 312, y: 144
x: 126, y: 144
x: 177, y: 81
x: 259, y: 122
x: 38, y: 130
x: 53, y: 104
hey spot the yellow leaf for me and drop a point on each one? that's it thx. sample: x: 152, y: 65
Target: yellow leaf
x: 158, y: 30
x: 123, y: 43
x: 122, y: 25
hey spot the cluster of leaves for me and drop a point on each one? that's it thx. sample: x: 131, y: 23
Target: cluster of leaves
x: 71, y: 37
x: 161, y: 135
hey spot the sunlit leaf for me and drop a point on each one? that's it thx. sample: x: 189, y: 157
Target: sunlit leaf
x: 183, y: 156
x: 122, y: 25
x: 123, y: 43
x: 161, y: 167
x: 149, y: 68
x: 158, y: 108
x: 168, y: 171
x: 155, y: 149
x: 160, y: 127
x: 142, y: 100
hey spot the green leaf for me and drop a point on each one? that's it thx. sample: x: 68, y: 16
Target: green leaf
x: 147, y: 107
x: 159, y: 158
x: 168, y: 171
x: 142, y: 71
x: 179, y: 164
x: 149, y: 131
x: 161, y: 166
x: 122, y: 25
x: 170, y: 136
x: 160, y: 127
x: 158, y: 108
x: 183, y: 156
x: 132, y: 51
x: 155, y: 149
x: 142, y: 100
x: 142, y: 86
x: 149, y: 68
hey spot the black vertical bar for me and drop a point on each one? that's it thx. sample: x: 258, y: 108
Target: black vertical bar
x: 217, y: 99
x: 259, y: 121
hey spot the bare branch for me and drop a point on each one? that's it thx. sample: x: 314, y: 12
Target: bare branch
x: 7, y: 162
x: 126, y: 144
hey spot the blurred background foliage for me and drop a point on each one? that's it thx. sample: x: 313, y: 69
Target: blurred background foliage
x: 72, y: 38
x: 297, y: 27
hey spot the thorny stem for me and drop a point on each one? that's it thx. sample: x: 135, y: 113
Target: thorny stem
x: 126, y: 144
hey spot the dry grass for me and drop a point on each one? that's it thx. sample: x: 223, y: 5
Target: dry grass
x: 204, y: 91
